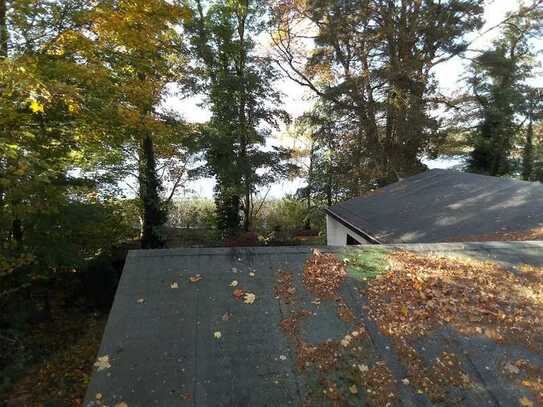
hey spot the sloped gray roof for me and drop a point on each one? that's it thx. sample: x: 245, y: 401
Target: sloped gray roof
x: 444, y: 205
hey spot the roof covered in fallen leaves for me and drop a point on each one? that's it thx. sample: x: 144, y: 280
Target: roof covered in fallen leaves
x: 445, y: 205
x: 422, y: 324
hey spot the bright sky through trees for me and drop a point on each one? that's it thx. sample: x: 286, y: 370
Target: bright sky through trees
x: 298, y: 99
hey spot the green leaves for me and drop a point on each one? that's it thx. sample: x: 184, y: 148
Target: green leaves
x: 238, y: 84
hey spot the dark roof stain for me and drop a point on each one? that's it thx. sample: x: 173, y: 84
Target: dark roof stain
x: 444, y: 205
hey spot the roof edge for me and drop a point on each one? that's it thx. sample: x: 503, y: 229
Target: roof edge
x: 352, y: 227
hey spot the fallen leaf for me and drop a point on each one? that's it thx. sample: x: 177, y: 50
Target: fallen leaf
x: 363, y: 368
x: 509, y: 368
x: 234, y: 283
x: 405, y: 310
x: 217, y: 335
x: 282, y: 357
x: 121, y: 404
x: 238, y: 293
x: 353, y: 389
x: 195, y: 278
x: 140, y: 301
x: 525, y: 402
x: 99, y: 396
x: 249, y: 298
x: 251, y: 274
x: 102, y: 363
x: 346, y: 341
x: 174, y: 285
x: 405, y: 381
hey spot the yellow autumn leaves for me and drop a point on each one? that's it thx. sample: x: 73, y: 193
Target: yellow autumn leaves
x: 36, y: 106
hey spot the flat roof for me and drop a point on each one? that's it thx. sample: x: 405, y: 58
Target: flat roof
x: 161, y: 344
x: 445, y: 205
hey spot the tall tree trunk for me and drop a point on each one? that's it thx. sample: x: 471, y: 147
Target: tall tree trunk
x: 154, y: 215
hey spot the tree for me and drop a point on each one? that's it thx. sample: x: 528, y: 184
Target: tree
x: 138, y: 42
x: 52, y: 215
x: 534, y: 111
x: 80, y: 89
x: 498, y: 84
x: 328, y: 172
x: 373, y: 61
x: 238, y: 85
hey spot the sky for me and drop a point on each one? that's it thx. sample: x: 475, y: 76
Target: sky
x: 297, y: 99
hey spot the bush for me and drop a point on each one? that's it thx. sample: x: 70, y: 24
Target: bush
x: 284, y: 219
x: 192, y: 213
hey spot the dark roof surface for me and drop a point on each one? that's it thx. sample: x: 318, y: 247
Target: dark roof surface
x: 442, y: 205
x: 163, y: 351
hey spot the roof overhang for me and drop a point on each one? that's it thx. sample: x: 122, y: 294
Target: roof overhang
x: 350, y: 226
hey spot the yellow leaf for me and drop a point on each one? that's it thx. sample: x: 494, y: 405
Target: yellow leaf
x: 72, y: 107
x: 36, y: 106
x: 525, y: 402
x: 195, y: 278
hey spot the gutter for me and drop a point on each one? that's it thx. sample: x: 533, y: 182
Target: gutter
x: 352, y: 227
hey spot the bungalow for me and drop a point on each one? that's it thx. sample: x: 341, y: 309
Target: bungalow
x: 440, y: 206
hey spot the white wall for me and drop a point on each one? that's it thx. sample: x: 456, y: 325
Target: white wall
x: 336, y: 233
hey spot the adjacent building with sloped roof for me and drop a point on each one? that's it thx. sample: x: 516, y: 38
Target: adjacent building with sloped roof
x: 440, y: 206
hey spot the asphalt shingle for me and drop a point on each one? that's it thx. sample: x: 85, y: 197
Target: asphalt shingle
x: 163, y: 351
x: 443, y: 205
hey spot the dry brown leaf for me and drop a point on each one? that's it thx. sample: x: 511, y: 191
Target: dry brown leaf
x: 195, y: 278
x: 238, y: 293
